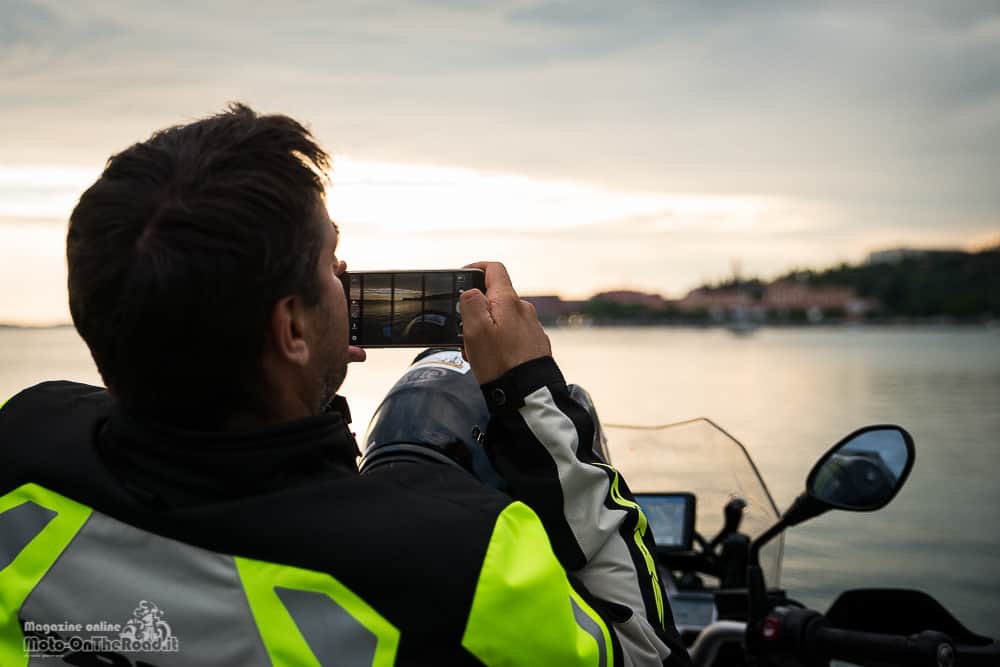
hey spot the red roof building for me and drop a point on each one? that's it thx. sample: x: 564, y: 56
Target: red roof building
x: 632, y: 298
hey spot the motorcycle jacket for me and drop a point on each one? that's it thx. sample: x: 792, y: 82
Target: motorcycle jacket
x: 124, y: 542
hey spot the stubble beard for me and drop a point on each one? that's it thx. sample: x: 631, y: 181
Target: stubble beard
x: 330, y: 382
x: 331, y: 370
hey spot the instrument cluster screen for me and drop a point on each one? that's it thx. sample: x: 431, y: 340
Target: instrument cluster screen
x: 671, y: 518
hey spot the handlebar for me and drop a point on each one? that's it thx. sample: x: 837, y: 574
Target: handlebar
x: 927, y: 649
x: 808, y: 634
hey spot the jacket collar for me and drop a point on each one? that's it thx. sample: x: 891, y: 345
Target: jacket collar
x: 169, y: 467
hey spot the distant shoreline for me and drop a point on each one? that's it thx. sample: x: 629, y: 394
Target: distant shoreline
x: 913, y: 324
x: 929, y: 323
x: 36, y: 327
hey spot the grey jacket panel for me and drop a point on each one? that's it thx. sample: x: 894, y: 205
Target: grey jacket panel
x: 186, y: 601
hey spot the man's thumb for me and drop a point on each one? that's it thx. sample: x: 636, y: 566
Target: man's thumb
x: 475, y: 312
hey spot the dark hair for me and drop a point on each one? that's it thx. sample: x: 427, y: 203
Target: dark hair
x: 178, y: 253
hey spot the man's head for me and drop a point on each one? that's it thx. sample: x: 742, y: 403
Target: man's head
x: 202, y: 273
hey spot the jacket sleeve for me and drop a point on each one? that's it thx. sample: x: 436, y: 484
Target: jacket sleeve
x: 542, y: 442
x: 525, y: 610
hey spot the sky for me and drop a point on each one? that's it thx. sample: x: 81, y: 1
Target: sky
x: 589, y: 145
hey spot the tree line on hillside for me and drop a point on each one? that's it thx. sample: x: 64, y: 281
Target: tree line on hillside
x: 955, y: 284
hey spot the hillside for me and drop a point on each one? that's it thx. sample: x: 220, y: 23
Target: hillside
x: 919, y: 284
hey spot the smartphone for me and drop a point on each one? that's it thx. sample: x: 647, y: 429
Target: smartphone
x: 408, y: 308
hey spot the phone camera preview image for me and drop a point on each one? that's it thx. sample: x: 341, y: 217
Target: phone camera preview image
x: 407, y: 308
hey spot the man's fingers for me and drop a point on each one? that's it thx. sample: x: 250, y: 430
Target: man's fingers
x: 497, y: 278
x: 475, y: 312
x: 356, y: 354
x: 501, y: 331
x: 477, y: 265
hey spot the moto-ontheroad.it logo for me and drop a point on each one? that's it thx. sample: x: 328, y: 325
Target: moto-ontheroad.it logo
x: 146, y: 632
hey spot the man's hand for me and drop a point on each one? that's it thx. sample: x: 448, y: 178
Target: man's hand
x: 500, y: 330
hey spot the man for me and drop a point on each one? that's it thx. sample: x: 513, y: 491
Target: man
x: 212, y: 486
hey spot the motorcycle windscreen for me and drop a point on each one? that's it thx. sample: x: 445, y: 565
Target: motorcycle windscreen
x: 699, y: 457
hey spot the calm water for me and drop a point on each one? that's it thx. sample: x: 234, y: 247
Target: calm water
x: 787, y: 395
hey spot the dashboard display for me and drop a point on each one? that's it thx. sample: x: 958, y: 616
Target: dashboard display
x: 671, y: 518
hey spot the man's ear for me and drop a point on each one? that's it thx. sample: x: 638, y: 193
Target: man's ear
x: 288, y: 326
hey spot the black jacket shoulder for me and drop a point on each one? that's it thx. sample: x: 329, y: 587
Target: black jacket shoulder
x: 409, y: 538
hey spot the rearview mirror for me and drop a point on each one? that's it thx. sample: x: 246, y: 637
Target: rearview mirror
x: 864, y: 471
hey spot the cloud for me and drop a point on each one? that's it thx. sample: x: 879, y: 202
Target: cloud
x: 41, y: 193
x: 809, y: 99
x: 856, y: 123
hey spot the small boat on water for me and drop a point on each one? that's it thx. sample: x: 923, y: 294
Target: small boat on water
x: 741, y: 327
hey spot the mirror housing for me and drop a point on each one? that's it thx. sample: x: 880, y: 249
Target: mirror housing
x: 864, y: 471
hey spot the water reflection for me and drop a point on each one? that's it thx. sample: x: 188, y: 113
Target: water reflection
x: 787, y: 394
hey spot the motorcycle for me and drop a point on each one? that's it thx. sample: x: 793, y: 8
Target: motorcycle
x: 724, y: 591
x: 741, y: 615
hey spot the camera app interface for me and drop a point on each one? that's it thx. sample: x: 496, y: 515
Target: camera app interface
x: 405, y: 308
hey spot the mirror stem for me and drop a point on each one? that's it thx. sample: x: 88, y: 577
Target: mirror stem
x: 757, y: 602
x: 804, y: 507
x: 756, y: 586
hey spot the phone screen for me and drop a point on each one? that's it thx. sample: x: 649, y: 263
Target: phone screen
x: 408, y: 308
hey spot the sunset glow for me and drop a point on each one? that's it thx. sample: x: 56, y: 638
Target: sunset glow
x: 403, y: 216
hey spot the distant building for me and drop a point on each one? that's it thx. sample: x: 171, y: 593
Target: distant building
x: 748, y: 303
x: 632, y: 298
x: 778, y: 297
x: 721, y: 304
x: 786, y: 295
x: 705, y: 298
x: 551, y: 308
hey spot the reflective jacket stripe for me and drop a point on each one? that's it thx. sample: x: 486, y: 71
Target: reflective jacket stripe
x: 302, y: 617
x: 302, y: 613
x: 524, y: 610
x: 639, y: 535
x: 39, y: 538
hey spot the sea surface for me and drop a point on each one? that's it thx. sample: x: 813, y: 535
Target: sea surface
x: 787, y: 395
